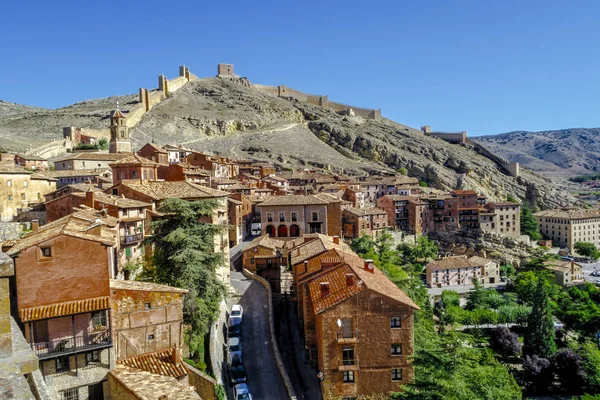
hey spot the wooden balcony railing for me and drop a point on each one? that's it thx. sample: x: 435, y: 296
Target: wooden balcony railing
x: 136, y: 237
x: 72, y: 344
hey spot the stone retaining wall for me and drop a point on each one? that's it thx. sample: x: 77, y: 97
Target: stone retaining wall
x: 280, y: 366
x: 204, y: 384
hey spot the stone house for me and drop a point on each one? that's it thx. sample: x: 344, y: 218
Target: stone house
x: 565, y: 272
x: 374, y: 187
x: 459, y: 270
x: 264, y: 257
x: 219, y: 167
x: 64, y: 308
x: 501, y: 217
x: 397, y: 208
x: 154, y: 153
x: 29, y: 161
x: 364, y: 221
x: 20, y: 189
x: 363, y: 330
x: 70, y: 177
x: 134, y: 167
x: 176, y: 154
x: 293, y: 216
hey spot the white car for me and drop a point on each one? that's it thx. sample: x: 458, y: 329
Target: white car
x: 237, y: 311
x: 240, y: 392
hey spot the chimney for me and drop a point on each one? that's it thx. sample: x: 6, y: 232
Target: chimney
x: 89, y: 199
x: 349, y: 280
x: 35, y: 225
x: 305, y: 267
x: 176, y: 357
x: 298, y: 252
x: 324, y: 289
x: 369, y: 266
x: 336, y: 239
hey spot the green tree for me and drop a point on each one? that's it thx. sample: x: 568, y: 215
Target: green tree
x: 103, y: 143
x: 423, y: 184
x: 529, y: 225
x: 587, y: 249
x: 422, y: 251
x: 539, y: 333
x: 184, y: 257
x: 403, y: 171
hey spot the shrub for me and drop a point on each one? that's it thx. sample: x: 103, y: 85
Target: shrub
x: 505, y: 342
x: 537, y: 374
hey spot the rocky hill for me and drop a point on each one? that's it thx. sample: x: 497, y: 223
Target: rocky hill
x: 228, y: 117
x: 556, y: 154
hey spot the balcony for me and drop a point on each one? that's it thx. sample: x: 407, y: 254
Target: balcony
x: 348, y: 364
x: 69, y: 345
x: 129, y: 239
x: 347, y: 337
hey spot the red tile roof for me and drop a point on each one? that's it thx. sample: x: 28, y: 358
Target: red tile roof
x: 62, y: 309
x: 158, y: 362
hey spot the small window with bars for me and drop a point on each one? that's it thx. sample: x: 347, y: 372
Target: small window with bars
x: 396, y: 349
x: 396, y: 322
x: 70, y: 394
x: 93, y: 357
x: 62, y: 364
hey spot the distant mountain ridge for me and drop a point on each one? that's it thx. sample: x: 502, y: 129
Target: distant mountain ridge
x: 555, y: 154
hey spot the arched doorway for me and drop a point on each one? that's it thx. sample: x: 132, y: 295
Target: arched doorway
x: 282, y: 231
x: 271, y: 230
x: 294, y: 231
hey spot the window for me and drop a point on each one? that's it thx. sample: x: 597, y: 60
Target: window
x: 9, y: 182
x: 115, y: 192
x: 252, y: 261
x: 348, y: 376
x: 396, y: 374
x: 92, y: 357
x: 46, y: 251
x: 151, y: 337
x: 83, y: 164
x: 294, y: 216
x: 70, y: 394
x: 10, y: 197
x: 23, y: 196
x: 25, y: 184
x: 147, y: 306
x: 99, y: 319
x: 396, y: 322
x: 396, y: 349
x: 315, y: 216
x: 269, y: 217
x: 62, y: 364
x: 281, y: 217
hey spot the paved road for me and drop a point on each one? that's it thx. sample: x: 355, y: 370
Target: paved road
x: 264, y: 379
x: 588, y: 269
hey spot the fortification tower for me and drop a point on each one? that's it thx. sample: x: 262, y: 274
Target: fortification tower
x: 119, y: 133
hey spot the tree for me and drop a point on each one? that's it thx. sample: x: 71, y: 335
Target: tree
x: 529, y: 225
x: 590, y: 355
x: 539, y: 333
x: 103, y: 143
x: 587, y: 249
x: 505, y: 342
x: 568, y: 367
x: 184, y: 257
x: 537, y: 374
x: 476, y: 295
x: 422, y: 251
x: 403, y: 171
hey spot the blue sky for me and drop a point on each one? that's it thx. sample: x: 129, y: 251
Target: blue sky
x: 482, y: 66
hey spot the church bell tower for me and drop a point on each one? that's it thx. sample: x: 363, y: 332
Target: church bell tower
x: 119, y: 133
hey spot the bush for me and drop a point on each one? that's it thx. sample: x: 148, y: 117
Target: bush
x: 568, y: 367
x: 537, y: 374
x: 423, y: 184
x: 505, y: 342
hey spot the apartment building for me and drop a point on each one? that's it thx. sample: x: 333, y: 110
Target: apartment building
x: 86, y: 161
x: 154, y: 153
x: 373, y: 187
x: 219, y: 167
x: 70, y: 177
x: 565, y: 227
x: 360, y: 326
x: 460, y: 270
x: 64, y: 308
x: 501, y: 217
x: 364, y: 221
x: 176, y: 154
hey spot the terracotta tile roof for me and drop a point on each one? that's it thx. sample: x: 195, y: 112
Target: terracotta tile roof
x: 78, y: 224
x: 581, y: 213
x: 143, y: 385
x: 31, y: 157
x: 366, y: 211
x: 93, y: 156
x: 133, y: 159
x: 75, y: 172
x: 318, y: 244
x: 119, y: 284
x: 159, y: 190
x: 327, y: 197
x: 12, y: 169
x: 317, y: 264
x: 338, y: 288
x: 266, y: 241
x: 293, y: 200
x: 155, y: 148
x: 503, y: 204
x: 457, y: 262
x: 119, y: 201
x: 117, y: 113
x: 158, y: 362
x: 62, y: 309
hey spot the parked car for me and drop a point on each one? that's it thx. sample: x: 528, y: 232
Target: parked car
x: 240, y: 392
x: 237, y: 371
x: 237, y: 311
x: 594, y: 273
x: 234, y: 327
x: 234, y: 345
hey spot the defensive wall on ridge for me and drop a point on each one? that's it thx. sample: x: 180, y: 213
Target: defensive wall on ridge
x: 512, y: 168
x: 319, y: 100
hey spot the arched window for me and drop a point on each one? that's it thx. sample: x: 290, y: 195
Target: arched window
x: 282, y: 231
x: 294, y: 231
x: 271, y: 230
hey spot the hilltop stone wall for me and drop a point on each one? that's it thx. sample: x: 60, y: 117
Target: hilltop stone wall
x: 319, y: 100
